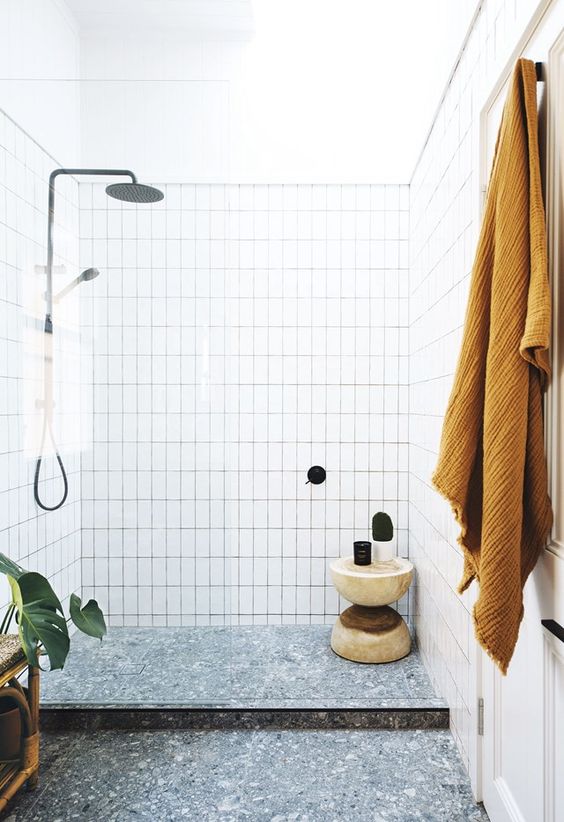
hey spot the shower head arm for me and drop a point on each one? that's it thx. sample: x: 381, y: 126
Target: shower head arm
x: 92, y: 172
x: 73, y: 172
x: 66, y: 290
x: 88, y: 274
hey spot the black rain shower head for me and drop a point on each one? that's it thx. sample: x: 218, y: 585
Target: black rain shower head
x: 134, y: 193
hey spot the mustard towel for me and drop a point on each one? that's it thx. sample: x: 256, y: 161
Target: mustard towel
x: 492, y: 466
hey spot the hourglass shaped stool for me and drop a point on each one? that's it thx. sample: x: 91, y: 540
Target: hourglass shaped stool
x: 371, y: 631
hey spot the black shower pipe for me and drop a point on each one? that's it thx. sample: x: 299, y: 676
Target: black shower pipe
x: 104, y: 172
x: 48, y: 327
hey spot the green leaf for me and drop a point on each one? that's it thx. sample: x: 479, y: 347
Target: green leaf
x: 8, y: 566
x: 90, y: 619
x: 38, y: 620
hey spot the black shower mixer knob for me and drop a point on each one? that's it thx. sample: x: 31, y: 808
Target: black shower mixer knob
x: 316, y: 475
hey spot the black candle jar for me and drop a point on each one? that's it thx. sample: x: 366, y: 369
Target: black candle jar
x: 362, y: 553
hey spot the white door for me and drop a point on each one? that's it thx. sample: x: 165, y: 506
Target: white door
x: 523, y: 713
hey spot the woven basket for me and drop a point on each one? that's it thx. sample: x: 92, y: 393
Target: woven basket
x: 11, y: 651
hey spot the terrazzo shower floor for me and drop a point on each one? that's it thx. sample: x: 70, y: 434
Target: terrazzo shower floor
x: 256, y: 776
x: 260, y: 667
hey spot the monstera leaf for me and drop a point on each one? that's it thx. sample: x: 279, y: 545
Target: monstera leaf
x: 90, y: 619
x: 40, y: 618
x: 41, y: 621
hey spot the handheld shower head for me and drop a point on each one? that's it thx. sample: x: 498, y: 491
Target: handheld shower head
x: 87, y: 274
x: 134, y: 193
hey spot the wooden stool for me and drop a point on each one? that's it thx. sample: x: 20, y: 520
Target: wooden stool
x: 371, y: 631
x: 15, y: 773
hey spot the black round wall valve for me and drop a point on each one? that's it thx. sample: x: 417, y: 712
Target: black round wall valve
x: 316, y: 475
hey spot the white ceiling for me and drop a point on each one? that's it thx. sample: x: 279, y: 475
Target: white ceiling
x: 194, y: 17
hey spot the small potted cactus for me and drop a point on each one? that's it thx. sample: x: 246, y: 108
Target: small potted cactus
x: 382, y: 534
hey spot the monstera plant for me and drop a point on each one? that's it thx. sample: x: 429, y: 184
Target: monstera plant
x: 42, y: 625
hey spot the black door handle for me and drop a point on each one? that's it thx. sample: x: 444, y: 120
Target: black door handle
x: 554, y: 628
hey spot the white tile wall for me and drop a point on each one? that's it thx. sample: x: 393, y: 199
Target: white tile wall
x: 47, y: 542
x: 242, y: 334
x: 318, y: 372
x: 444, y: 222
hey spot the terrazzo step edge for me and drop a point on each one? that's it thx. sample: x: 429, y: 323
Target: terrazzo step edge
x: 58, y: 719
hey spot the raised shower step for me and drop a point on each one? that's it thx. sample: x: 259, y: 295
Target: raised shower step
x: 95, y: 719
x: 247, y: 676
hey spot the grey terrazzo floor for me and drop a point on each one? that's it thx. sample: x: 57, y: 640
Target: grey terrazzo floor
x: 288, y: 776
x: 252, y: 667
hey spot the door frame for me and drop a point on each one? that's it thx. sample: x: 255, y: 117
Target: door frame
x: 554, y: 409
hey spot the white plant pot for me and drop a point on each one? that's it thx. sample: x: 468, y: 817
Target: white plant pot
x: 383, y: 551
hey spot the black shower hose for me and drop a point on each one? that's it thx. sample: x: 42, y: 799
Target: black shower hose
x: 38, y: 469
